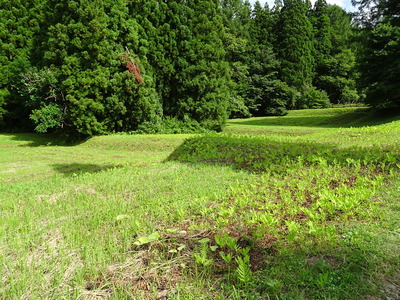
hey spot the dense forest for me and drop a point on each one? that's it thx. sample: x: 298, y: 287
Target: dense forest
x: 104, y: 66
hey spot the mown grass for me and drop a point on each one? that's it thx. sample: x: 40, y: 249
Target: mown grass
x: 290, y: 210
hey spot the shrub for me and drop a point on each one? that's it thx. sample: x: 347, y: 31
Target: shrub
x: 169, y: 125
x: 314, y: 98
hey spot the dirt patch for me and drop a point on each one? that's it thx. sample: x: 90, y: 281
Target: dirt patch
x: 142, y: 277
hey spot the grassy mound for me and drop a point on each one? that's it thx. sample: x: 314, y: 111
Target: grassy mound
x: 265, y: 154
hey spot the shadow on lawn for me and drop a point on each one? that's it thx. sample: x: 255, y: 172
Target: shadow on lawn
x: 358, y: 118
x: 342, y: 273
x: 40, y: 140
x: 78, y: 169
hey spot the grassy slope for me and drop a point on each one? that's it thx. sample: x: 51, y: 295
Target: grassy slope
x: 317, y: 228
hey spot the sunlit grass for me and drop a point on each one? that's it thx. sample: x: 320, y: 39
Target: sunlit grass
x: 304, y: 209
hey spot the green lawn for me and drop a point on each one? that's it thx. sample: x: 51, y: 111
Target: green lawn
x: 304, y: 206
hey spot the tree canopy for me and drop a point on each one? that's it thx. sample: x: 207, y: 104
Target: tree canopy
x: 103, y: 66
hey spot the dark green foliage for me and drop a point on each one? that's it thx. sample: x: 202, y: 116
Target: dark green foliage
x: 202, y: 82
x: 269, y: 95
x: 380, y: 66
x: 335, y: 61
x: 18, y: 25
x: 236, y: 16
x: 322, y: 43
x: 3, y: 95
x: 237, y: 21
x: 337, y: 77
x: 262, y: 24
x: 170, y: 125
x: 86, y: 45
x: 342, y: 29
x: 313, y: 98
x: 294, y: 45
x: 82, y: 45
x: 322, y: 31
x: 160, y: 31
x: 189, y: 58
x: 46, y: 100
x: 108, y: 66
x: 237, y: 49
x: 379, y: 61
x: 254, y: 67
x: 77, y: 81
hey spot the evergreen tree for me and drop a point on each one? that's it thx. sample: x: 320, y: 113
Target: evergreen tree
x: 267, y: 95
x: 161, y: 24
x: 275, y: 23
x: 379, y: 60
x: 237, y: 22
x: 262, y: 24
x: 335, y: 59
x: 188, y: 59
x: 342, y: 30
x: 294, y: 45
x: 379, y: 64
x: 203, y: 76
x: 236, y: 16
x: 322, y: 32
x: 85, y: 51
x: 18, y: 26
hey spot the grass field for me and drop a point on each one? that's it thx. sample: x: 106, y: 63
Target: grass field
x: 304, y: 206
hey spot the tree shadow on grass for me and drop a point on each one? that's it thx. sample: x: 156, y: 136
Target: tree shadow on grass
x: 358, y: 118
x: 40, y: 140
x: 342, y: 273
x: 75, y: 169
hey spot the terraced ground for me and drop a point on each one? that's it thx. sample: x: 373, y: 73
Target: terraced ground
x: 304, y: 206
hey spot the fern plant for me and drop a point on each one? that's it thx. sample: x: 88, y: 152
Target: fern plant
x: 243, y: 270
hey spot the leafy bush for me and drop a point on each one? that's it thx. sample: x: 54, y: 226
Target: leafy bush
x: 46, y: 100
x: 46, y: 117
x: 169, y: 125
x: 313, y: 98
x: 273, y: 98
x: 237, y: 108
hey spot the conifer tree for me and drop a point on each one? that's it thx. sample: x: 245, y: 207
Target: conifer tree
x: 378, y: 60
x: 237, y: 21
x: 322, y: 31
x: 267, y: 94
x: 322, y: 45
x: 294, y: 45
x: 379, y: 64
x: 188, y: 59
x: 89, y: 45
x: 236, y: 16
x: 203, y: 78
x: 335, y: 59
x: 262, y: 24
x: 160, y: 25
x: 18, y: 26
